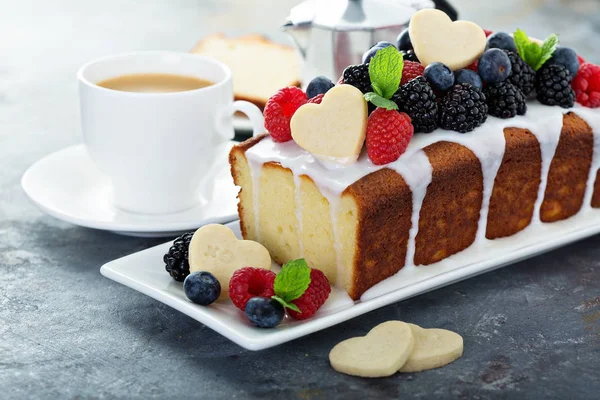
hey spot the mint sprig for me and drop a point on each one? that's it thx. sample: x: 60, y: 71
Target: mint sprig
x: 532, y: 52
x: 385, y: 72
x: 291, y: 283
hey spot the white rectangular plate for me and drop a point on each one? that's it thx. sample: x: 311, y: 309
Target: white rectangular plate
x: 145, y: 272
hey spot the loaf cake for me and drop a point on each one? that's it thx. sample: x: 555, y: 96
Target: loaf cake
x: 259, y: 66
x: 362, y: 223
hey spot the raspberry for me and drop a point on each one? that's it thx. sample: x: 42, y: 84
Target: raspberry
x: 487, y: 33
x: 410, y: 71
x: 580, y: 59
x: 474, y: 66
x: 279, y: 111
x: 587, y: 85
x: 317, y: 99
x: 341, y: 80
x: 388, y: 135
x: 250, y: 282
x: 314, y: 297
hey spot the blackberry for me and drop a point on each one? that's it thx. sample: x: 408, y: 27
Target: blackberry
x: 416, y: 98
x: 176, y: 259
x: 505, y: 100
x: 358, y: 76
x: 553, y: 86
x: 409, y: 55
x: 522, y: 75
x: 463, y: 108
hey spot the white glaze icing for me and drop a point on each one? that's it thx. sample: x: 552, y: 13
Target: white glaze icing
x: 486, y: 142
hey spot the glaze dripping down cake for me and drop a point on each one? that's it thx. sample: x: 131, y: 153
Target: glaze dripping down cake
x: 493, y: 163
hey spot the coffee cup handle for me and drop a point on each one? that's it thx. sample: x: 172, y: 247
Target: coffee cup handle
x: 252, y: 112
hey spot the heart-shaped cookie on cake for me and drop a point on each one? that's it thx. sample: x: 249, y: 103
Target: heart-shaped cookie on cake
x: 214, y: 248
x: 381, y: 353
x: 335, y: 129
x: 433, y: 348
x: 436, y: 38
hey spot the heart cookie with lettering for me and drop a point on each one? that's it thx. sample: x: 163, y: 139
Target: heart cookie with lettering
x: 433, y: 348
x: 334, y: 130
x: 436, y: 38
x: 381, y: 353
x: 214, y: 248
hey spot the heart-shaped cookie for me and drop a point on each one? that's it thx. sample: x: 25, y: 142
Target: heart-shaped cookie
x: 215, y: 248
x: 381, y: 353
x: 335, y: 129
x: 433, y: 348
x: 436, y: 38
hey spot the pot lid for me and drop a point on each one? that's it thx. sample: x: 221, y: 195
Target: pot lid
x: 352, y: 15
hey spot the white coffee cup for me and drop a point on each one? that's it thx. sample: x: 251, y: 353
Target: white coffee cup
x: 157, y: 148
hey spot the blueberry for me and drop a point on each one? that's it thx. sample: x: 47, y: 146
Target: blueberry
x: 439, y: 76
x: 501, y: 40
x: 318, y: 85
x: 371, y: 52
x: 494, y: 66
x: 468, y: 76
x: 264, y: 312
x: 403, y: 42
x: 567, y: 58
x: 202, y: 288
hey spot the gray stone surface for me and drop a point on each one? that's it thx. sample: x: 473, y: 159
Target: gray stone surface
x: 531, y: 330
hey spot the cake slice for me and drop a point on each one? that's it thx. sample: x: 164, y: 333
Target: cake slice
x: 260, y: 67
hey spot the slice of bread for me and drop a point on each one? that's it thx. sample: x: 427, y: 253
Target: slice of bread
x: 260, y: 67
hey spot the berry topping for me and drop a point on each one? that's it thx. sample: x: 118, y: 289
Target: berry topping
x: 580, y: 59
x: 463, y: 108
x: 410, y: 71
x: 202, y: 288
x: 317, y: 99
x: 505, y: 100
x: 494, y: 66
x: 279, y: 111
x: 358, y: 76
x: 373, y: 50
x: 474, y: 66
x: 388, y: 135
x: 487, y: 32
x: 416, y: 98
x: 521, y: 75
x: 314, y: 297
x: 177, y: 259
x: 403, y: 41
x: 587, y: 85
x: 553, y: 86
x: 439, y: 76
x: 501, y: 40
x: 319, y: 85
x: 409, y: 55
x: 567, y: 58
x: 468, y: 76
x: 264, y: 312
x: 250, y: 282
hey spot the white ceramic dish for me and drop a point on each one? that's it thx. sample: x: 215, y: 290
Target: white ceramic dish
x: 68, y: 186
x: 144, y: 271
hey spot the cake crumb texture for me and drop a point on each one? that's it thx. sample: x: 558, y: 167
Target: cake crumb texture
x: 516, y: 185
x: 569, y: 170
x: 450, y: 210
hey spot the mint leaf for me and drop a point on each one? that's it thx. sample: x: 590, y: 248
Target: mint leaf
x: 285, y: 304
x: 292, y: 281
x: 380, y: 101
x: 385, y: 71
x: 548, y: 48
x: 531, y: 52
x: 521, y: 41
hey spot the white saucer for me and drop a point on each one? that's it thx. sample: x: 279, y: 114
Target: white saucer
x: 68, y: 186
